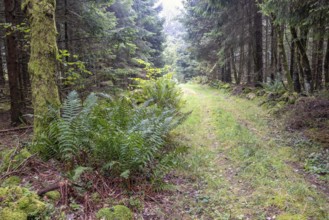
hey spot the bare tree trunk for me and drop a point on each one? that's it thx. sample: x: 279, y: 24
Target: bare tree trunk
x: 250, y: 41
x: 2, y: 72
x: 319, y: 56
x: 319, y: 65
x: 274, y: 53
x: 314, y: 56
x: 228, y: 71
x: 326, y: 66
x: 241, y: 64
x: 283, y: 57
x: 258, y: 38
x: 235, y: 72
x: 301, y: 70
x: 2, y: 33
x: 293, y: 66
x: 13, y: 72
x: 304, y: 59
x: 249, y: 63
x: 266, y: 49
x: 22, y: 58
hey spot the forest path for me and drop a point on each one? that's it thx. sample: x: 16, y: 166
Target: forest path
x: 238, y: 165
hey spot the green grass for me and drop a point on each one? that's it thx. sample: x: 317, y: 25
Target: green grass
x: 238, y: 164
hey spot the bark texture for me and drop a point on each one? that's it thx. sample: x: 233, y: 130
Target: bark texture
x: 326, y: 66
x: 12, y: 65
x: 258, y: 37
x: 2, y: 72
x: 42, y: 64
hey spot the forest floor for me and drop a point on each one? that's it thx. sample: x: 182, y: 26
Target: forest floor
x: 241, y: 165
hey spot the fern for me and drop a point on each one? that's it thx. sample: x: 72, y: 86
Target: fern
x: 68, y: 133
x: 274, y: 87
x: 122, y: 138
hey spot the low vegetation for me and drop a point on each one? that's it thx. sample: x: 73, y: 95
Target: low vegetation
x: 239, y: 165
x: 95, y: 125
x: 121, y: 137
x: 299, y: 113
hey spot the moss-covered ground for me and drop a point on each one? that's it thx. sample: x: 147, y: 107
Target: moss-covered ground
x: 239, y: 164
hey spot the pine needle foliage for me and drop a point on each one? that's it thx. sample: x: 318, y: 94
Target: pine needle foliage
x: 116, y: 135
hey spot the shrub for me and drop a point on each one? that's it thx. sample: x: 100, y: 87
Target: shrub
x: 162, y: 92
x: 200, y: 80
x: 128, y: 138
x: 68, y: 136
x: 276, y: 87
x: 118, y: 136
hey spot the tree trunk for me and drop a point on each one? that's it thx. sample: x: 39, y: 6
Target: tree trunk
x: 23, y: 55
x: 249, y: 63
x: 293, y: 67
x: 2, y: 33
x: 301, y: 70
x: 274, y: 51
x: 12, y: 66
x: 227, y: 66
x: 319, y: 55
x: 326, y: 66
x: 2, y: 72
x: 66, y: 34
x: 319, y: 64
x: 283, y: 57
x: 313, y: 57
x: 250, y: 59
x: 304, y: 59
x: 42, y: 65
x: 26, y: 77
x: 241, y: 63
x: 235, y: 72
x: 258, y: 38
x: 266, y: 48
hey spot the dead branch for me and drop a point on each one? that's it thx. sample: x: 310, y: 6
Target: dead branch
x: 15, y: 129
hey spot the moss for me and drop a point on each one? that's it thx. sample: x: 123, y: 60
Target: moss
x: 9, y: 214
x: 11, y: 181
x: 118, y: 212
x: 12, y: 161
x: 30, y: 205
x: 279, y: 201
x: 53, y: 195
x: 290, y: 217
x: 19, y: 201
x: 42, y: 64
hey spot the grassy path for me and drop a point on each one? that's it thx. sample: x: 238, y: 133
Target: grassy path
x: 238, y: 166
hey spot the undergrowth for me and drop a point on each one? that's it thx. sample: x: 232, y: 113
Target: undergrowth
x: 306, y: 114
x: 122, y: 137
x: 241, y: 167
